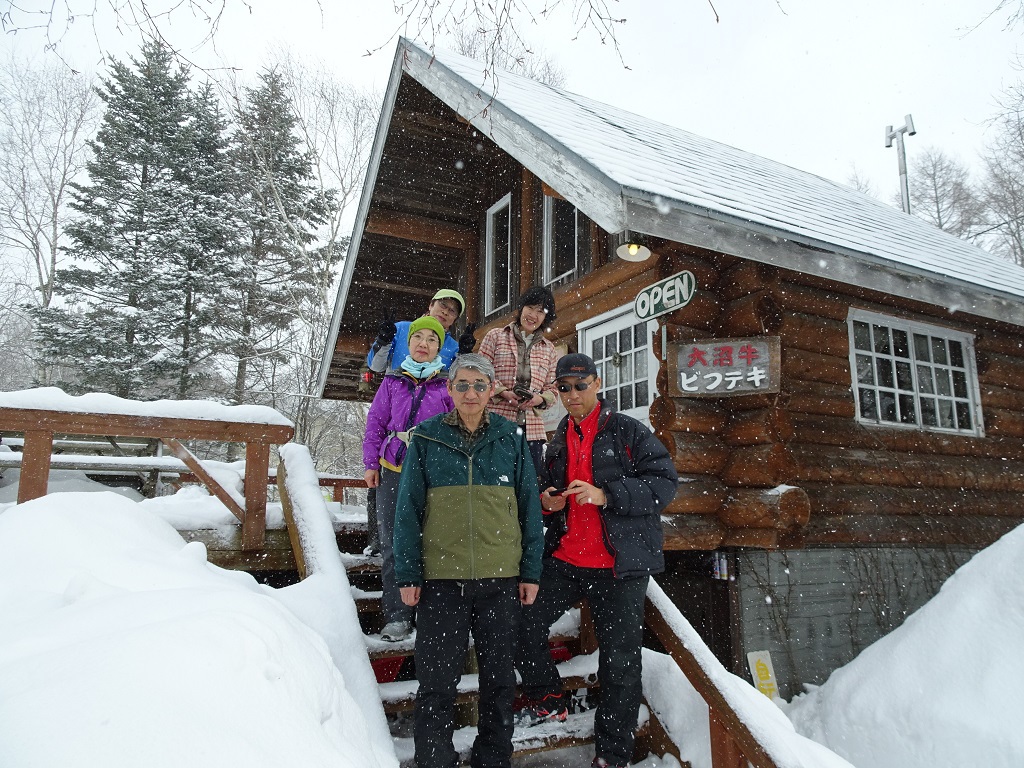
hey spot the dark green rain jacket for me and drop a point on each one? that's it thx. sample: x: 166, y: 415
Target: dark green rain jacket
x: 468, y: 511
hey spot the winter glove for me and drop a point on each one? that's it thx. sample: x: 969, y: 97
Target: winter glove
x: 386, y: 330
x: 467, y: 340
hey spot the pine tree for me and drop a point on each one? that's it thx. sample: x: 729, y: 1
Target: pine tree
x: 150, y: 240
x: 284, y: 207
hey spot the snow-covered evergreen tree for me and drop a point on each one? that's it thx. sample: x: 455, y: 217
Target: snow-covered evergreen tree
x: 152, y: 239
x: 284, y: 206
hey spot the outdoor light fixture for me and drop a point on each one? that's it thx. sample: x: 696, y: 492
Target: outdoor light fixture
x: 632, y: 249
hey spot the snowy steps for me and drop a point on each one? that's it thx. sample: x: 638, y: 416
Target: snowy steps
x: 401, y: 696
x: 576, y: 731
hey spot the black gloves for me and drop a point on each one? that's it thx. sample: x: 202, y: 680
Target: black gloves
x: 386, y: 330
x: 467, y: 340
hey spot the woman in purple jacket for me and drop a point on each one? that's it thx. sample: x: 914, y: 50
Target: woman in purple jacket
x: 413, y: 392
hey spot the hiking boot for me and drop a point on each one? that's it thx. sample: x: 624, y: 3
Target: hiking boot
x: 600, y: 762
x: 395, y: 631
x: 550, y: 709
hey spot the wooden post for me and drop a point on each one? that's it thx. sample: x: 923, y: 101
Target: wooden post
x: 289, y: 519
x: 35, y: 465
x: 257, y: 464
x: 212, y: 485
x: 725, y: 752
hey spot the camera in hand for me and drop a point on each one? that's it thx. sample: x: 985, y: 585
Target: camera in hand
x: 523, y: 392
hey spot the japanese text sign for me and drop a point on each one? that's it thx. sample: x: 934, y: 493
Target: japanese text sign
x: 665, y: 296
x: 724, y: 367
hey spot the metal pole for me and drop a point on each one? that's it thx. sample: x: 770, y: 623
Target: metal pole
x: 901, y: 154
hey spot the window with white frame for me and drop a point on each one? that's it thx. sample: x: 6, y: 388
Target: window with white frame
x: 565, y: 230
x: 910, y: 374
x: 498, y: 259
x: 621, y: 346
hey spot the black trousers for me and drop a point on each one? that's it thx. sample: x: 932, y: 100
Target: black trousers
x: 447, y: 612
x: 617, y: 606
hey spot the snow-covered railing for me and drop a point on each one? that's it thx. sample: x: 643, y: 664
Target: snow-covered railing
x: 323, y: 573
x: 41, y: 414
x: 745, y: 725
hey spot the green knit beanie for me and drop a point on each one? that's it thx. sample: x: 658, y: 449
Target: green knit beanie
x: 429, y: 323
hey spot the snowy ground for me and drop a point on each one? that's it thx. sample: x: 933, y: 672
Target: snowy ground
x: 121, y: 646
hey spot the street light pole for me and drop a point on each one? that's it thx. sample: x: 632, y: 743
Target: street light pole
x: 901, y: 153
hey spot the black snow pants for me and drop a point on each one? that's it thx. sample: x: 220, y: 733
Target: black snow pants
x: 617, y: 606
x: 447, y: 612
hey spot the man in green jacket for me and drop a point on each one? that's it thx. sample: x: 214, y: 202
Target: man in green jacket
x: 468, y: 547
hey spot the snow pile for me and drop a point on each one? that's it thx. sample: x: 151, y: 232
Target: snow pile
x: 121, y: 646
x: 942, y: 690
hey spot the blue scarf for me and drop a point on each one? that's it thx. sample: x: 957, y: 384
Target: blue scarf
x: 422, y: 370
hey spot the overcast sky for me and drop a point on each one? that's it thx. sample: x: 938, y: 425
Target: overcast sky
x: 811, y: 83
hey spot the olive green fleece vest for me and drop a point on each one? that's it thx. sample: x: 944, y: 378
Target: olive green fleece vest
x: 471, y: 532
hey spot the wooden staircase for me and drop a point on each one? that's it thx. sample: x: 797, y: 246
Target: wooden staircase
x: 733, y: 743
x: 399, y: 695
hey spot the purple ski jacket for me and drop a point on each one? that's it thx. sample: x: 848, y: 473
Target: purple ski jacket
x: 390, y: 413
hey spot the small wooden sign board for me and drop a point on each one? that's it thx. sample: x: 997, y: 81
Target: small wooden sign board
x: 763, y: 673
x: 724, y: 367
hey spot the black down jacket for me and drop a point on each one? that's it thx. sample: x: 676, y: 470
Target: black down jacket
x: 637, y: 474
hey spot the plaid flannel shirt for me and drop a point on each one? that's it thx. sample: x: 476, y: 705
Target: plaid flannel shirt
x: 502, y: 346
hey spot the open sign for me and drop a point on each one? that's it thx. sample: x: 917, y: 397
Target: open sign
x: 664, y: 296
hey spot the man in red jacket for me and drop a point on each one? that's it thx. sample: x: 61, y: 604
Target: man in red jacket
x: 607, y: 478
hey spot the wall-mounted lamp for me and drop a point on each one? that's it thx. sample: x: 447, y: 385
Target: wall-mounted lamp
x: 632, y: 248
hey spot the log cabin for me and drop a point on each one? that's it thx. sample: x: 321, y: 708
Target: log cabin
x: 841, y: 384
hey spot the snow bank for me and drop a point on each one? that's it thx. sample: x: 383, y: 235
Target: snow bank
x: 945, y: 688
x: 121, y: 646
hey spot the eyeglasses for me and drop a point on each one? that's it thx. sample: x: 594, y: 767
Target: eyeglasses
x: 579, y: 386
x: 463, y: 386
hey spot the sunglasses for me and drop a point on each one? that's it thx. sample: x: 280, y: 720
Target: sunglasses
x: 463, y: 386
x: 579, y: 386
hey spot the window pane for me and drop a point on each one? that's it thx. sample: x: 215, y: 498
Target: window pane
x: 500, y: 258
x: 928, y: 415
x: 611, y: 399
x: 611, y: 343
x: 924, y: 379
x: 956, y: 354
x: 946, y: 414
x: 626, y: 369
x: 881, y: 334
x: 563, y: 238
x: 640, y: 335
x: 612, y: 375
x: 626, y: 397
x: 861, y: 335
x: 600, y: 372
x: 959, y: 383
x: 904, y: 379
x: 641, y: 394
x: 908, y: 415
x: 887, y: 406
x: 900, y: 343
x: 921, y: 348
x: 597, y: 348
x: 868, y: 409
x: 939, y: 350
x: 625, y: 340
x: 884, y: 367
x: 942, y: 382
x: 865, y: 371
x: 963, y: 416
x: 641, y: 365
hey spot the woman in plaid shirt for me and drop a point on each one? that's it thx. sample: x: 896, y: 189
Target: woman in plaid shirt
x: 524, y: 367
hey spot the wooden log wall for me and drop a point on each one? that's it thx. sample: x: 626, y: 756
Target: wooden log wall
x: 795, y: 468
x: 800, y: 470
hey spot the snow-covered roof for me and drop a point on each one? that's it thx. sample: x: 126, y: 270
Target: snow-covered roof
x: 626, y: 171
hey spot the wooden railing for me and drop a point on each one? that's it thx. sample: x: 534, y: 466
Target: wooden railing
x: 733, y: 743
